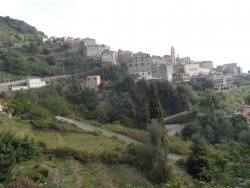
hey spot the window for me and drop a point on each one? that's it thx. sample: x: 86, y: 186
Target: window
x: 136, y: 64
x: 148, y: 73
x: 142, y: 63
x: 130, y: 65
x: 88, y: 79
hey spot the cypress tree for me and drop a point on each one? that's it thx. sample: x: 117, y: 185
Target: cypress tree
x: 155, y: 109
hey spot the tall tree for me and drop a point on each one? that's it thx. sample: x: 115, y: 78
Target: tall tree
x: 155, y: 109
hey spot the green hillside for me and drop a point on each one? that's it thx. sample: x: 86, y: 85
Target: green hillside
x: 16, y: 31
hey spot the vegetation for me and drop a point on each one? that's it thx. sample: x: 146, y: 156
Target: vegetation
x: 14, y: 150
x: 155, y: 109
x: 36, y: 149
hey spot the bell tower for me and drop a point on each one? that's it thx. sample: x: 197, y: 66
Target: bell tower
x: 173, y: 61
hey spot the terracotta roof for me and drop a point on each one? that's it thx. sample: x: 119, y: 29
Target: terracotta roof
x: 246, y: 114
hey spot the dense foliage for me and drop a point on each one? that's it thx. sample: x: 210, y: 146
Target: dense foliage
x: 14, y: 150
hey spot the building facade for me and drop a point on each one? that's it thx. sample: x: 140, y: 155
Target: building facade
x: 223, y: 82
x: 140, y: 64
x: 109, y: 56
x: 181, y: 77
x: 192, y: 69
x: 206, y: 64
x: 92, y: 82
x: 124, y: 56
x: 35, y: 82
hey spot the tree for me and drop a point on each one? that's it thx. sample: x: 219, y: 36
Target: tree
x: 198, y: 160
x: 247, y: 99
x: 15, y: 63
x: 155, y: 109
x: 33, y: 48
x: 190, y: 130
x: 153, y: 155
x: 51, y: 60
x: 46, y: 51
x: 224, y: 131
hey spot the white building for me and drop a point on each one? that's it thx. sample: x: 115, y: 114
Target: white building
x: 192, y: 69
x: 35, y: 82
x: 204, y: 71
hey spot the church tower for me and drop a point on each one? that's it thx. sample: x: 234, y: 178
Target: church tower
x: 173, y: 61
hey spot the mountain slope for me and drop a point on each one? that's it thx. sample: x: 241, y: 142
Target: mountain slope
x: 16, y: 31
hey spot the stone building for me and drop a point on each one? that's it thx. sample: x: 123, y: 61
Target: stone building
x: 223, y: 82
x: 89, y: 42
x: 109, y: 56
x: 92, y: 82
x: 93, y: 51
x: 162, y: 71
x: 182, y: 77
x: 178, y: 69
x: 230, y: 68
x: 75, y: 45
x: 124, y: 56
x: 206, y: 64
x: 140, y: 64
x: 173, y: 60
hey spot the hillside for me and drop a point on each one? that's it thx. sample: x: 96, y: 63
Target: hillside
x: 36, y: 148
x: 16, y: 31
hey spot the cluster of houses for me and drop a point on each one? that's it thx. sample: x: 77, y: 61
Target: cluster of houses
x: 169, y: 67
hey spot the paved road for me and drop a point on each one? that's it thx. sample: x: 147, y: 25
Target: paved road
x: 128, y: 140
x: 174, y: 128
x: 174, y: 157
x: 185, y: 112
x: 88, y: 127
x: 5, y: 86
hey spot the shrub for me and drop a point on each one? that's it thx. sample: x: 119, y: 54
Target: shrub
x: 96, y: 133
x: 133, y: 147
x: 37, y: 177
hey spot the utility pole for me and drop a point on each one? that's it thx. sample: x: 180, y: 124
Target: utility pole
x: 63, y: 71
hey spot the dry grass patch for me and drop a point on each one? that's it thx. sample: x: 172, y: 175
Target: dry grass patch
x: 80, y: 142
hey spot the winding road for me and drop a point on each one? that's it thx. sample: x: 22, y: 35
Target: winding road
x: 88, y: 127
x: 126, y: 139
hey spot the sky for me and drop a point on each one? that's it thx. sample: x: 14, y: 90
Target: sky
x: 216, y: 30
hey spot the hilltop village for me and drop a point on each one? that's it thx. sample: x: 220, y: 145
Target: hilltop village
x: 169, y: 67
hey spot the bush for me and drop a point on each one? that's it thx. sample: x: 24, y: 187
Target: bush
x: 133, y: 147
x: 96, y: 133
x: 42, y: 170
x: 37, y: 177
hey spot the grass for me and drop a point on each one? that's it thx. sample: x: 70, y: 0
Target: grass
x: 178, y: 146
x: 17, y: 126
x: 71, y: 173
x: 136, y: 134
x: 80, y: 142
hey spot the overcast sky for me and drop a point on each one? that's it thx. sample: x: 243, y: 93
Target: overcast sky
x: 216, y: 30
